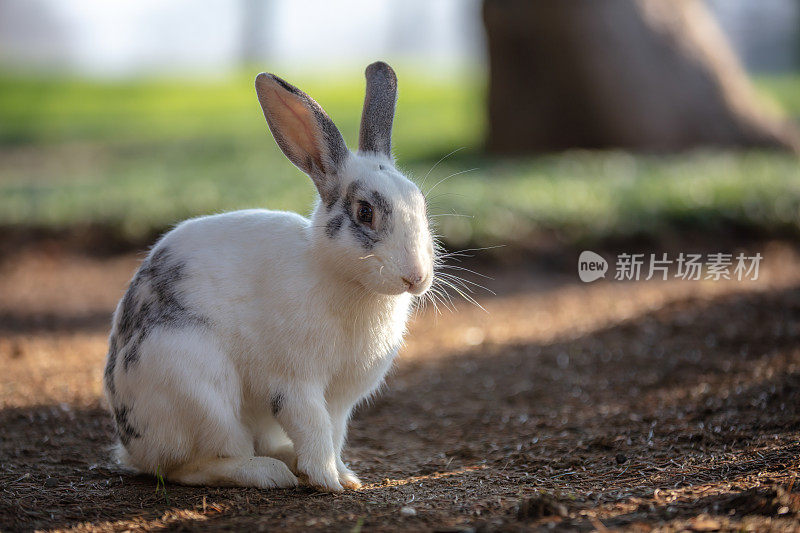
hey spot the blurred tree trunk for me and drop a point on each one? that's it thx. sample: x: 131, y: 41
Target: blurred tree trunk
x: 638, y: 74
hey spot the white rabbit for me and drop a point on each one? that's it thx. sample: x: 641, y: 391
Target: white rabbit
x: 245, y: 339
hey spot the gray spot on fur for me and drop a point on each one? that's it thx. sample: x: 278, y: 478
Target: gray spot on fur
x: 125, y: 429
x: 381, y: 203
x: 334, y: 225
x: 152, y: 300
x: 378, y: 114
x: 357, y: 230
x: 352, y: 190
x: 334, y: 197
x: 276, y: 403
x: 111, y: 363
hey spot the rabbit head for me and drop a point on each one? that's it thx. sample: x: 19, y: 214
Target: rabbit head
x: 370, y: 224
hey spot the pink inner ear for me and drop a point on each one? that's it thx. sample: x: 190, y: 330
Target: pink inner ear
x: 298, y: 124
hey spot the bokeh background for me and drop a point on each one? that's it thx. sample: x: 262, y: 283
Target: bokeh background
x: 538, y: 129
x: 121, y: 118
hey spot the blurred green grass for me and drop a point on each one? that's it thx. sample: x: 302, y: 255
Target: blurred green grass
x: 137, y: 157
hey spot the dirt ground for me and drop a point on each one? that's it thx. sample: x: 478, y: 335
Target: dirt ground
x: 669, y: 405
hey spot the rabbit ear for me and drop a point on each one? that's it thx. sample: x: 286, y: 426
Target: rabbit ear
x: 378, y: 114
x: 305, y: 133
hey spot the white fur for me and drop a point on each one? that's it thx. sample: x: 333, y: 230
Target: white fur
x: 288, y: 311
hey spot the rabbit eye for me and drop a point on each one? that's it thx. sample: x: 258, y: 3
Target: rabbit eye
x: 364, y: 213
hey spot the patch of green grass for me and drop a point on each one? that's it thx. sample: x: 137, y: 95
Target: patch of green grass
x: 137, y: 157
x: 782, y: 89
x: 591, y: 196
x: 161, y: 486
x: 40, y: 111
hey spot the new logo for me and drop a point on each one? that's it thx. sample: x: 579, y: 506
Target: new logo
x: 591, y: 266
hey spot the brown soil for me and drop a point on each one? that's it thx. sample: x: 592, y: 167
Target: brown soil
x: 671, y: 405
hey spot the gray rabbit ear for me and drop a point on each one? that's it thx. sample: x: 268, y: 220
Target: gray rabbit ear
x: 378, y: 114
x: 305, y: 133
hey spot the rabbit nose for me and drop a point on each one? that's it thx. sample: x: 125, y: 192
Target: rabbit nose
x: 412, y: 280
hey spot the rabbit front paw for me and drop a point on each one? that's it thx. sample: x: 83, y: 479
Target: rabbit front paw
x: 323, y: 477
x: 349, y: 480
x: 347, y: 477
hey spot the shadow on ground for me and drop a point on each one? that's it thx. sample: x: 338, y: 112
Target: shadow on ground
x: 664, y: 418
x: 37, y: 323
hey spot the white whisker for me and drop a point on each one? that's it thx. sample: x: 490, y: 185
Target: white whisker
x: 447, y: 178
x: 456, y: 267
x: 450, y: 215
x: 461, y: 253
x: 437, y: 164
x: 464, y: 295
x: 464, y: 280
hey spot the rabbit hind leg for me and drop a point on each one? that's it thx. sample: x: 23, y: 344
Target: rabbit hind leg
x: 259, y: 472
